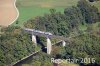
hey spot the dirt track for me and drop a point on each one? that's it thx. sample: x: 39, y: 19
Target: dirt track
x: 8, y: 12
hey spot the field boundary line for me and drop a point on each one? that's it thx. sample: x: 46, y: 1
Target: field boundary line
x: 17, y: 13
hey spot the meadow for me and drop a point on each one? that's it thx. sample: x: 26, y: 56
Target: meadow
x: 31, y: 8
x: 97, y: 4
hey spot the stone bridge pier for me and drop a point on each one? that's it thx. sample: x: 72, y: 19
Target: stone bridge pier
x: 63, y: 43
x: 34, y: 39
x: 49, y: 44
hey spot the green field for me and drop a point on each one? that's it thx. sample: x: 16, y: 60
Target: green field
x: 32, y: 8
x: 31, y: 12
x: 97, y: 4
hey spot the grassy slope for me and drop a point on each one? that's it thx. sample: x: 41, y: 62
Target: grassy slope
x: 32, y: 8
x: 97, y: 4
x: 31, y: 12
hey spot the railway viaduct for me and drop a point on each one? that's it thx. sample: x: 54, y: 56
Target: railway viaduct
x: 48, y: 36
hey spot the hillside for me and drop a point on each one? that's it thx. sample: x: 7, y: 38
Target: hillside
x: 81, y: 21
x: 32, y: 8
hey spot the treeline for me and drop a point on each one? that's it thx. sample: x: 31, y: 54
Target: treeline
x: 15, y: 44
x: 62, y: 24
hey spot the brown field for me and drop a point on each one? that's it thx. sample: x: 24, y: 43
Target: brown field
x: 8, y: 12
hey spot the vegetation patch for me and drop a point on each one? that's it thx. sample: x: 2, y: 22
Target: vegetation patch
x: 33, y: 8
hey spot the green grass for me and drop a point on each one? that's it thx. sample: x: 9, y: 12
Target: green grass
x: 82, y: 27
x: 95, y: 26
x: 27, y: 13
x: 31, y: 8
x: 97, y: 4
x: 25, y: 64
